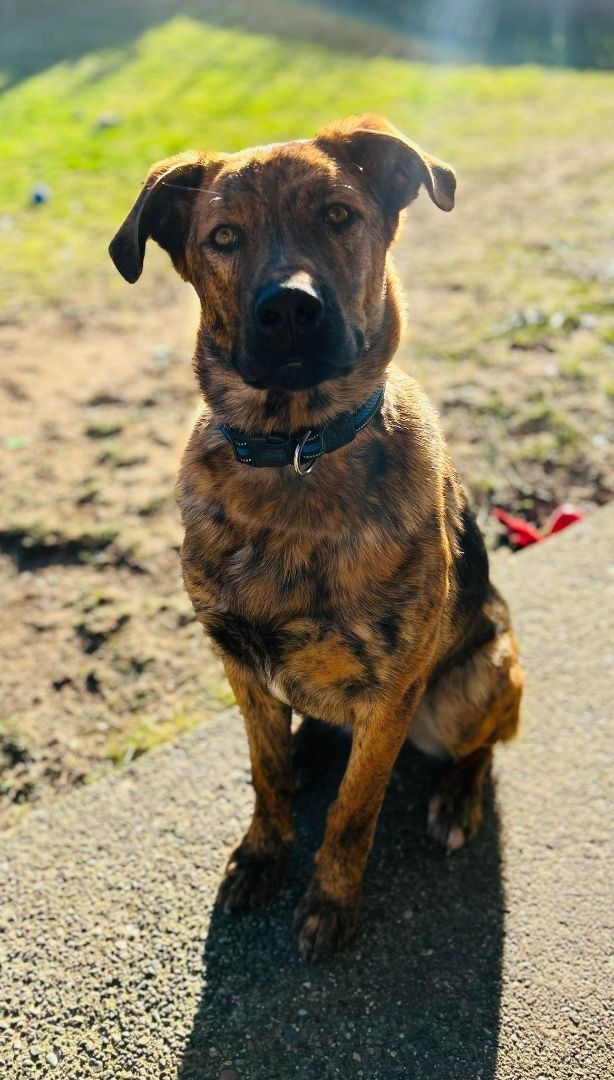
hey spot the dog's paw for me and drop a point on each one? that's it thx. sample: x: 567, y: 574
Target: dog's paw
x: 453, y: 818
x: 251, y: 879
x: 323, y: 925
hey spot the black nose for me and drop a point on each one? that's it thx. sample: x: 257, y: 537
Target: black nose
x: 288, y: 311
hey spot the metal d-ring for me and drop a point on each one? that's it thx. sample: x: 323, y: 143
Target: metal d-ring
x: 298, y: 468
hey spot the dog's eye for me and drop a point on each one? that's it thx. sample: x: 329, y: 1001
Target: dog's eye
x: 224, y: 236
x: 337, y: 214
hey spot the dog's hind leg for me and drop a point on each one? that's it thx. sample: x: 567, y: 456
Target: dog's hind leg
x: 468, y: 709
x: 455, y: 810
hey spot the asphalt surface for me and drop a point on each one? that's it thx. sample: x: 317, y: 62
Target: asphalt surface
x: 488, y: 964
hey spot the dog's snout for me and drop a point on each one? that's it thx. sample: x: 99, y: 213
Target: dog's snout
x: 297, y: 334
x: 290, y: 309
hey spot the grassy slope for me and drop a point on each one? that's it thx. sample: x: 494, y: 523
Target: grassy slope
x: 186, y: 82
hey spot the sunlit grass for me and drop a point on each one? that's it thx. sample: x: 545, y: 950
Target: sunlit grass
x: 89, y: 129
x: 141, y: 733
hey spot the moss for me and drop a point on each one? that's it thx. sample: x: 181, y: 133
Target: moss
x: 575, y: 370
x: 145, y: 733
x: 119, y: 456
x: 104, y: 429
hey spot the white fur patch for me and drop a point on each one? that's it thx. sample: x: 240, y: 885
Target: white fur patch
x: 423, y: 732
x: 276, y: 691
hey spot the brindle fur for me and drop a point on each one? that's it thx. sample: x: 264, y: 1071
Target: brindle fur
x: 358, y: 594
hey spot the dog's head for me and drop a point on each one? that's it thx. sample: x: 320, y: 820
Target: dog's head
x: 286, y: 244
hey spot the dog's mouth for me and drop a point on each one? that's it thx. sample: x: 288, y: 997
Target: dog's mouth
x: 294, y: 362
x: 302, y: 369
x: 296, y: 374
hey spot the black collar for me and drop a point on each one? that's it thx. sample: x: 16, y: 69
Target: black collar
x: 304, y: 449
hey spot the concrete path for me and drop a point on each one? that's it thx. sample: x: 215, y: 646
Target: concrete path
x: 490, y: 964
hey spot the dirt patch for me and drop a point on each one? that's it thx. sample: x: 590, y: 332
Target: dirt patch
x: 511, y: 316
x: 102, y: 658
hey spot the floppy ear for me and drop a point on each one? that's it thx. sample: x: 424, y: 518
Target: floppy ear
x: 392, y: 166
x: 161, y: 211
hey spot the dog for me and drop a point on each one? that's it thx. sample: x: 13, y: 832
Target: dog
x: 329, y: 552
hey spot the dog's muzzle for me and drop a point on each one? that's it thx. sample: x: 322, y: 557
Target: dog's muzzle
x: 296, y: 337
x: 288, y: 314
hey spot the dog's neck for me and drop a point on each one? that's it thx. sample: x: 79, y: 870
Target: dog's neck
x: 244, y: 408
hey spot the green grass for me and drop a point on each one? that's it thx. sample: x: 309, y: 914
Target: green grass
x: 188, y: 83
x: 141, y: 734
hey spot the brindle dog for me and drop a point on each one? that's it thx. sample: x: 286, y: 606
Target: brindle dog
x: 357, y: 593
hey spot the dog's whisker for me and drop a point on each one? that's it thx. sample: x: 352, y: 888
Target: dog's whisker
x: 189, y: 187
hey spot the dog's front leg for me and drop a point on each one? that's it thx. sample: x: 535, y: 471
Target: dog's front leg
x: 256, y: 868
x: 327, y: 917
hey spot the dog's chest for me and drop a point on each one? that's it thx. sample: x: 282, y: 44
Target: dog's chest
x: 315, y: 664
x: 299, y: 617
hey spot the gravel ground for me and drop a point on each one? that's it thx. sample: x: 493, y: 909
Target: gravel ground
x: 116, y: 964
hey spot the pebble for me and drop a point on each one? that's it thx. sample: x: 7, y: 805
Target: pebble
x: 107, y: 120
x: 52, y: 1059
x: 40, y: 194
x: 162, y: 355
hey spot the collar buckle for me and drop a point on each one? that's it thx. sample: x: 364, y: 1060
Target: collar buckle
x: 270, y: 450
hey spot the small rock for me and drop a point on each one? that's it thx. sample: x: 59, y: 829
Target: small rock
x: 560, y: 320
x: 162, y: 355
x: 52, y: 1059
x: 107, y: 120
x: 40, y: 194
x: 535, y: 317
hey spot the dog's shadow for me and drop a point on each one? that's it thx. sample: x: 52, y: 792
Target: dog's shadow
x: 416, y: 995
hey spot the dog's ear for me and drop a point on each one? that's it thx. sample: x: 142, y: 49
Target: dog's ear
x: 392, y: 166
x: 161, y: 211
